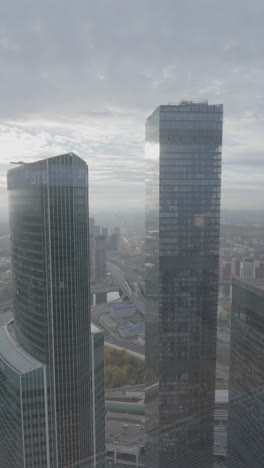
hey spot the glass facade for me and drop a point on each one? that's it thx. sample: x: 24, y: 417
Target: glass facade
x: 23, y: 405
x: 246, y: 394
x: 98, y: 396
x: 183, y: 183
x: 100, y: 259
x: 48, y: 202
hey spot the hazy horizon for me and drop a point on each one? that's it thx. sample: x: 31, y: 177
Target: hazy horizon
x: 85, y: 79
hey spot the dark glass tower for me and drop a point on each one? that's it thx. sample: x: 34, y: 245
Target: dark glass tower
x: 48, y: 202
x: 246, y: 387
x: 100, y: 258
x: 183, y: 179
x: 98, y: 395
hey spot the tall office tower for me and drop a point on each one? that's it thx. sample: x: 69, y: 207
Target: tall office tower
x: 113, y: 242
x: 258, y: 267
x: 92, y: 248
x: 98, y: 396
x: 91, y: 225
x: 225, y: 271
x: 97, y: 230
x: 235, y: 267
x: 105, y: 233
x: 247, y: 269
x: 183, y: 180
x: 245, y: 447
x: 46, y: 351
x: 24, y: 439
x: 100, y: 258
x: 118, y: 236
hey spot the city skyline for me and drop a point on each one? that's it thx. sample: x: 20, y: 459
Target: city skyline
x: 90, y: 91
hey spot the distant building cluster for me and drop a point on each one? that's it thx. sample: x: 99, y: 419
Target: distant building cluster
x: 101, y: 240
x: 245, y: 268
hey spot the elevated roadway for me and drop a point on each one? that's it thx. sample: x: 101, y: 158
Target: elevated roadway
x: 119, y: 278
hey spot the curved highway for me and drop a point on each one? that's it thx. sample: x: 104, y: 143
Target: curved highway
x: 119, y: 277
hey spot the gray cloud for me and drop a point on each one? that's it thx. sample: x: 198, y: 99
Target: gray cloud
x: 83, y: 76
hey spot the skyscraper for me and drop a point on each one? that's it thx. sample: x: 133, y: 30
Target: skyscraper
x: 247, y: 269
x: 47, y: 348
x: 24, y: 438
x: 183, y: 181
x: 235, y: 267
x: 92, y: 248
x: 98, y: 397
x: 258, y: 267
x: 246, y: 386
x: 118, y: 234
x: 113, y: 242
x: 100, y: 258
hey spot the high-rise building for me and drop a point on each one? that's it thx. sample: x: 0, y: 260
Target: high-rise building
x: 247, y: 269
x: 105, y: 232
x: 258, y: 267
x: 225, y: 271
x: 92, y: 248
x: 100, y: 258
x: 113, y: 242
x: 118, y: 236
x: 97, y: 230
x: 259, y: 248
x: 246, y: 385
x: 98, y: 397
x: 235, y: 267
x: 24, y: 439
x: 45, y: 353
x: 183, y: 181
x: 91, y: 225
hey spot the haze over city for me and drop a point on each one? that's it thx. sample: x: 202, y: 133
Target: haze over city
x: 83, y: 77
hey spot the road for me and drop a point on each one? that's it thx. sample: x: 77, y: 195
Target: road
x: 130, y: 437
x: 119, y: 277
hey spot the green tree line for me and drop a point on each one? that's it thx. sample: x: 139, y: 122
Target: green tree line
x: 122, y: 369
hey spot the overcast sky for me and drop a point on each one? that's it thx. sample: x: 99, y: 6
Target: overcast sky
x: 84, y: 75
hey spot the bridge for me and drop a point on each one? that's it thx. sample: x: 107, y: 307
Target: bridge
x: 103, y: 288
x: 120, y: 279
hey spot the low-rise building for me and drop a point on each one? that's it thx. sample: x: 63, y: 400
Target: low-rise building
x: 132, y: 331
x: 124, y: 311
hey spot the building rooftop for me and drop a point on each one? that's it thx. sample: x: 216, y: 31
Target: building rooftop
x: 62, y: 170
x: 188, y: 106
x: 13, y: 353
x: 39, y: 161
x: 256, y: 286
x: 125, y: 307
x: 95, y: 329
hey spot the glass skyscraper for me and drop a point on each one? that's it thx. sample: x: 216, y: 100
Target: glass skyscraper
x: 246, y: 385
x: 183, y: 183
x: 46, y: 351
x: 24, y: 437
x: 98, y: 396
